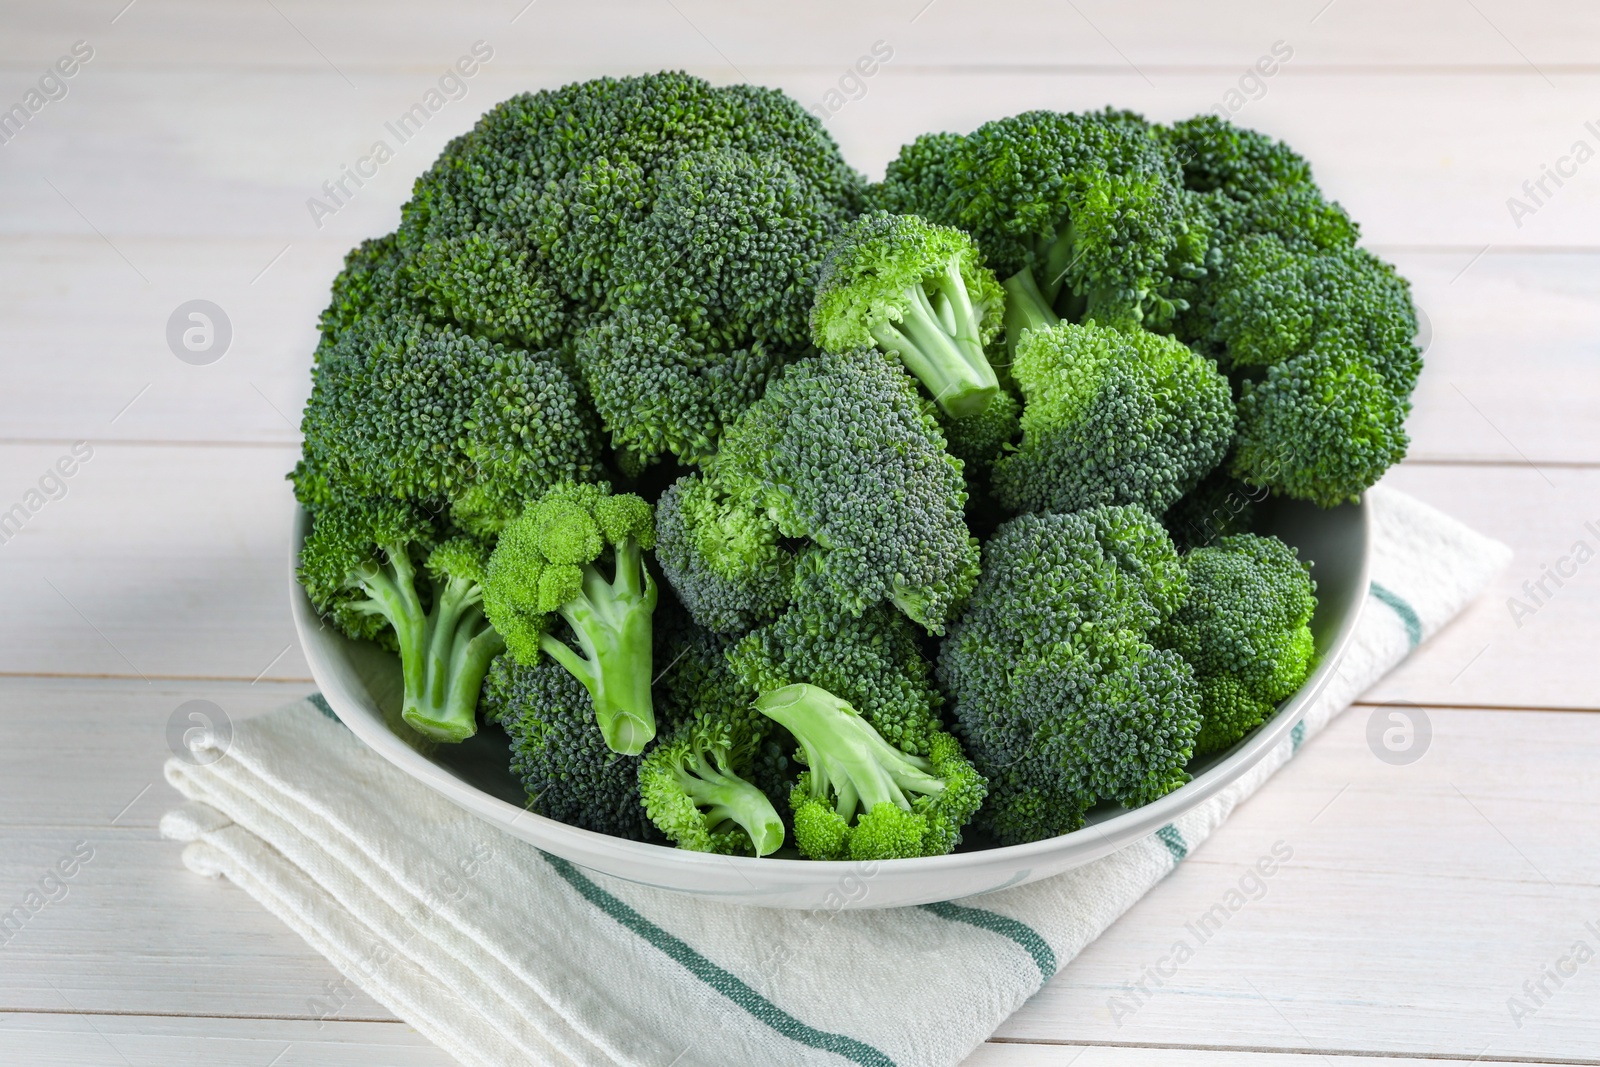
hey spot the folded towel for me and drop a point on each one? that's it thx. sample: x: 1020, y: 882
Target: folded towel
x: 504, y: 955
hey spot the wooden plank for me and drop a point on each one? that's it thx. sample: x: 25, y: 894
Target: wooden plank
x: 1539, y: 651
x: 357, y: 37
x: 1009, y: 1054
x: 1415, y: 904
x: 157, y: 561
x: 69, y: 1040
x: 1426, y: 158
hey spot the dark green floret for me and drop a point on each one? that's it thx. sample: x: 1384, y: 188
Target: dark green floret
x: 843, y: 460
x: 920, y: 293
x: 566, y: 769
x: 722, y: 557
x: 862, y: 798
x: 380, y: 571
x: 1059, y: 693
x: 548, y: 565
x: 1112, y: 417
x: 1245, y: 629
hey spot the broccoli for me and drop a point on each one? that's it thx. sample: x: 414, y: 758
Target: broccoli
x: 711, y: 291
x: 360, y: 567
x: 1091, y: 204
x: 979, y: 440
x: 694, y: 792
x: 873, y: 663
x: 862, y: 798
x: 722, y: 557
x: 1333, y: 330
x: 919, y: 292
x: 842, y: 455
x: 1059, y: 694
x: 1245, y: 630
x: 547, y: 563
x: 1112, y: 417
x: 409, y: 409
x: 566, y: 769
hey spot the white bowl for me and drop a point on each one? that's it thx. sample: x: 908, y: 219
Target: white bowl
x: 361, y: 683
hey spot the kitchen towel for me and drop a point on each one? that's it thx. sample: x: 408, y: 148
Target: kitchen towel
x: 504, y: 955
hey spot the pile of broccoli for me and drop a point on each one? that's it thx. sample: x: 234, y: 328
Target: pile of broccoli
x: 770, y: 511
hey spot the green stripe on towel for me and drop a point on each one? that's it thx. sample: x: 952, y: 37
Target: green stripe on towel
x: 1174, y: 841
x: 1044, y: 956
x: 1407, y: 614
x: 729, y: 985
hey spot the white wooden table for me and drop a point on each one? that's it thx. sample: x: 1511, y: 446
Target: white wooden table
x: 178, y: 166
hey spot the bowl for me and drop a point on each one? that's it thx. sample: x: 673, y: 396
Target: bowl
x: 361, y: 684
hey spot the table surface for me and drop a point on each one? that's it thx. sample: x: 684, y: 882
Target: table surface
x: 179, y: 165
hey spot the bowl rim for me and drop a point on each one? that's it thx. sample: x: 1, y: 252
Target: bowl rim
x: 1116, y: 830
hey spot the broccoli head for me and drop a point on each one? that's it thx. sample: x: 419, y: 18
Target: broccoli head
x: 563, y: 762
x: 920, y: 293
x: 862, y: 798
x: 1060, y: 695
x: 723, y: 557
x: 873, y: 663
x: 1090, y: 205
x: 380, y: 571
x: 843, y: 454
x: 1245, y: 629
x: 693, y: 790
x: 548, y: 564
x: 1112, y: 417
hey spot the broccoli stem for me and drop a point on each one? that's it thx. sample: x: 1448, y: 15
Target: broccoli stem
x: 444, y: 654
x: 1026, y: 308
x: 1058, y: 257
x: 727, y: 798
x: 938, y: 340
x: 612, y: 623
x: 844, y: 753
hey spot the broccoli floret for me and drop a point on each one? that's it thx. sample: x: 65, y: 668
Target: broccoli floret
x: 1061, y: 697
x: 862, y: 798
x: 547, y: 564
x: 842, y: 453
x: 1112, y: 417
x: 1091, y: 204
x: 360, y: 566
x: 694, y: 792
x: 1245, y: 629
x: 978, y: 440
x: 873, y: 663
x: 721, y: 556
x: 405, y: 408
x: 563, y: 762
x: 920, y: 293
x: 711, y: 290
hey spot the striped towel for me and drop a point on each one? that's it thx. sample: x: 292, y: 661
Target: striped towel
x: 504, y: 955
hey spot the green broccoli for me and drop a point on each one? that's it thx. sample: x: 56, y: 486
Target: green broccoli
x: 408, y: 409
x: 1334, y: 330
x: 566, y: 769
x: 722, y: 557
x: 919, y: 292
x: 872, y: 662
x: 547, y: 563
x: 360, y: 567
x: 1112, y: 417
x: 842, y: 456
x: 1059, y: 694
x: 711, y: 288
x: 694, y: 792
x: 1245, y: 629
x: 1090, y: 206
x: 862, y: 798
